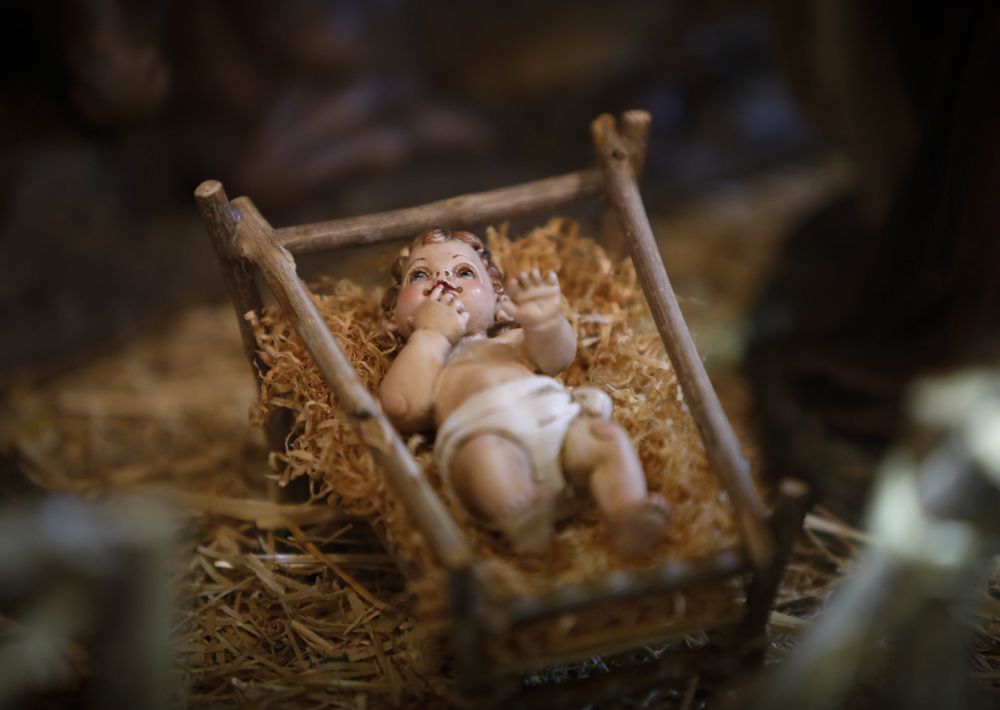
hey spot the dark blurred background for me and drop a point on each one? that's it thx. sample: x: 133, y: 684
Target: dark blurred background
x: 114, y: 111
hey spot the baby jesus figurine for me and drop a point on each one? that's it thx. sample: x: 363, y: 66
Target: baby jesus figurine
x: 512, y: 444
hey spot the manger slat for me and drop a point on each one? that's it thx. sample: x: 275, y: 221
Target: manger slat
x: 721, y: 444
x: 574, y: 649
x: 256, y: 242
x: 624, y: 585
x: 464, y: 210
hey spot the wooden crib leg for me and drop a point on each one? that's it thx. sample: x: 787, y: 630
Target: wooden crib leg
x: 220, y: 219
x: 635, y: 132
x: 786, y: 523
x: 467, y: 634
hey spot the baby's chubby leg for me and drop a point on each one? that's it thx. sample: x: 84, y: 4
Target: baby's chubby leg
x: 492, y: 477
x: 599, y: 453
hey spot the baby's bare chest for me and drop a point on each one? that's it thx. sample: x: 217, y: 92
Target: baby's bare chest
x: 485, y: 351
x: 476, y: 366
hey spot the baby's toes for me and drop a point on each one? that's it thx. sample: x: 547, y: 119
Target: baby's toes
x: 637, y: 533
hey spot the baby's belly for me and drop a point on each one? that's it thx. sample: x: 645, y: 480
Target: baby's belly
x: 460, y: 380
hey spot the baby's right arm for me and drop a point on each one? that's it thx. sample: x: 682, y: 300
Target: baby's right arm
x: 407, y: 391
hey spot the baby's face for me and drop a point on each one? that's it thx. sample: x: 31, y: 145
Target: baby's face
x: 456, y: 266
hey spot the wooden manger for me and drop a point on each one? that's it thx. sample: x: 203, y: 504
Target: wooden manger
x: 479, y: 622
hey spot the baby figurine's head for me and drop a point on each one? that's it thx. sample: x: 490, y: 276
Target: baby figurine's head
x: 457, y: 262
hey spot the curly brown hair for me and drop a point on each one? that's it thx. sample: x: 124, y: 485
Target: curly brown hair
x: 437, y: 235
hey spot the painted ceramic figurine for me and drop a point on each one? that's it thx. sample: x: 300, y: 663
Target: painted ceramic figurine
x: 513, y: 444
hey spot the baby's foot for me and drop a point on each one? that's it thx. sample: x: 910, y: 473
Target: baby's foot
x: 639, y: 530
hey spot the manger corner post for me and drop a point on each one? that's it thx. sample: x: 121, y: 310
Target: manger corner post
x: 469, y: 640
x: 786, y: 523
x: 721, y: 445
x: 635, y: 134
x: 221, y: 220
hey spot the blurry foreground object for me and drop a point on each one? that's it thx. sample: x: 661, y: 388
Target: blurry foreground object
x: 934, y: 523
x: 884, y: 286
x: 93, y: 574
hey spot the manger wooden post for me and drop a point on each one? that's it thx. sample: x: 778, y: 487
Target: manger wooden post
x: 256, y: 242
x: 786, y: 522
x: 221, y: 222
x: 721, y: 444
x: 474, y: 677
x: 635, y: 132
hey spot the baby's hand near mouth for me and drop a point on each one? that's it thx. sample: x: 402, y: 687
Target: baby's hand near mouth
x: 443, y: 313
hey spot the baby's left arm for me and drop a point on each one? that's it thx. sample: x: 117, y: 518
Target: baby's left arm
x: 549, y: 340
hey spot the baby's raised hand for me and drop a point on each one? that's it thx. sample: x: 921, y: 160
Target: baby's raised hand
x: 535, y: 300
x: 443, y: 313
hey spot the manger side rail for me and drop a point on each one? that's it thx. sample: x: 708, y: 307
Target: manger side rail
x: 474, y: 208
x: 623, y: 585
x: 721, y: 444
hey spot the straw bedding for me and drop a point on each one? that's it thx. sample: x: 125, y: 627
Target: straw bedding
x: 618, y: 351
